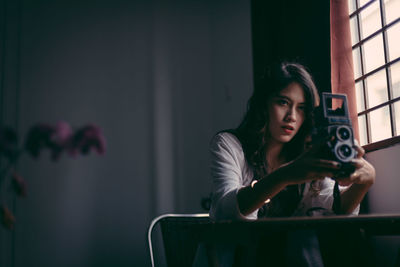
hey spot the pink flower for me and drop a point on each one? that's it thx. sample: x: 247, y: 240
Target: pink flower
x: 7, y: 218
x: 62, y: 133
x: 38, y: 138
x: 55, y: 138
x: 19, y: 184
x: 60, y: 139
x: 87, y: 138
x: 42, y: 136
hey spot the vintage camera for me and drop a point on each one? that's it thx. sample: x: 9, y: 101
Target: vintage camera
x: 333, y: 131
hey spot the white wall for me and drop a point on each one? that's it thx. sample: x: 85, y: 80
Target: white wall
x: 384, y: 197
x: 160, y: 77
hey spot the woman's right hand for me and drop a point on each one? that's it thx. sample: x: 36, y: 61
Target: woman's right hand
x: 308, y: 167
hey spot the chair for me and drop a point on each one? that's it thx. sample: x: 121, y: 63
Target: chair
x: 179, y: 235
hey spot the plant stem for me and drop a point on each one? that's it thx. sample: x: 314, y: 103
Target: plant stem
x: 4, y: 173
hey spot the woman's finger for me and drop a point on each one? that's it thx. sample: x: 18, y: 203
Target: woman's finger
x: 344, y: 182
x: 323, y: 163
x: 358, y: 163
x: 359, y: 149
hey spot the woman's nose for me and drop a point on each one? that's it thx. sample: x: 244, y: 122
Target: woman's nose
x: 291, y: 115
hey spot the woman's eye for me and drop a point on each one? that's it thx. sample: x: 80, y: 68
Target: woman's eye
x: 302, y: 108
x: 283, y: 102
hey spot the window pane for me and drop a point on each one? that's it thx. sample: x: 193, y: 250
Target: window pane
x: 377, y: 88
x: 360, y: 96
x: 380, y: 124
x: 392, y: 8
x: 357, y: 62
x: 363, y: 2
x: 397, y: 115
x: 395, y: 74
x: 393, y: 35
x: 352, y: 6
x: 370, y: 19
x: 373, y: 51
x: 354, y: 30
x: 362, y: 127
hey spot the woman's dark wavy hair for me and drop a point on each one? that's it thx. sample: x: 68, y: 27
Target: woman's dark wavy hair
x: 253, y: 130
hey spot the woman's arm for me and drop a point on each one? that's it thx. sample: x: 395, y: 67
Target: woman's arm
x: 302, y: 170
x: 352, y: 197
x: 229, y: 173
x: 360, y: 180
x: 252, y: 197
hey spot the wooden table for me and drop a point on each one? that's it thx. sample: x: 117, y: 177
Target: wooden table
x: 182, y: 234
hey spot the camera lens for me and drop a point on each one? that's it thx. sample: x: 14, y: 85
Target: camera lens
x: 343, y: 133
x: 344, y: 151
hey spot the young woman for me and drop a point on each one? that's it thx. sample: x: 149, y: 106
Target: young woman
x: 264, y: 167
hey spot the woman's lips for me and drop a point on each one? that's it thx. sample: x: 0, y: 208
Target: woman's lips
x: 288, y: 129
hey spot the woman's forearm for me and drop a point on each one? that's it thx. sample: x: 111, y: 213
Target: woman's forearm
x: 252, y: 197
x: 352, y: 197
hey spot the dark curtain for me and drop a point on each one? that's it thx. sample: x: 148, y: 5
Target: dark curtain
x: 292, y: 30
x: 315, y: 33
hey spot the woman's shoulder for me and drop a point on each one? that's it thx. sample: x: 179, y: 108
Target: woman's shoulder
x: 226, y: 138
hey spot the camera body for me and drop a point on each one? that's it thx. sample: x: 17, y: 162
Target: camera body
x: 333, y: 131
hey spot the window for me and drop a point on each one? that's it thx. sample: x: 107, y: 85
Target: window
x: 375, y: 34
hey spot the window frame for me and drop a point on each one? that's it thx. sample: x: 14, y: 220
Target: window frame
x: 395, y: 139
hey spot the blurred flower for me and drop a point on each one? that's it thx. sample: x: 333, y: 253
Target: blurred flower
x: 55, y: 138
x: 86, y: 138
x: 18, y: 184
x: 42, y: 136
x: 8, y: 143
x: 38, y: 137
x: 7, y: 218
x: 62, y: 134
x: 60, y: 139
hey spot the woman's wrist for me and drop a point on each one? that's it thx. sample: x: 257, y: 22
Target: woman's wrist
x: 284, y: 175
x: 353, y: 196
x: 257, y: 193
x: 363, y: 186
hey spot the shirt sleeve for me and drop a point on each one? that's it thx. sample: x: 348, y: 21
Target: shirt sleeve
x: 227, y: 163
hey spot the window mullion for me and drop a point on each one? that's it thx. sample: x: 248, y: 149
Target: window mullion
x: 362, y: 77
x: 388, y: 76
x: 364, y: 88
x: 397, y: 99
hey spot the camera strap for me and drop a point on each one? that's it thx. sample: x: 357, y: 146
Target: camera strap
x: 336, y: 199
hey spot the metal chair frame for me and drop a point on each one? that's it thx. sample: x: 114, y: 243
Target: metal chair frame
x: 155, y: 221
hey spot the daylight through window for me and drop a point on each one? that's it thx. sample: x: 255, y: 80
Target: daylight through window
x: 375, y: 32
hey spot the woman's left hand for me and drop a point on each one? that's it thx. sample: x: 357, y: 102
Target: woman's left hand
x: 364, y: 173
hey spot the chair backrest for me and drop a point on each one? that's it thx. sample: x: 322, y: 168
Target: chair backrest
x: 179, y: 235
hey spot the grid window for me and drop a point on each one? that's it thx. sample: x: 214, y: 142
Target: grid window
x: 395, y: 77
x: 373, y: 53
x: 375, y: 36
x: 377, y: 88
x: 370, y: 19
x: 392, y: 8
x: 363, y: 128
x: 397, y: 110
x: 394, y: 41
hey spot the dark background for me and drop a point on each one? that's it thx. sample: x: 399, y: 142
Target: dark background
x: 294, y: 31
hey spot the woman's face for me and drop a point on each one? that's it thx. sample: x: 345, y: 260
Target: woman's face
x: 286, y: 113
